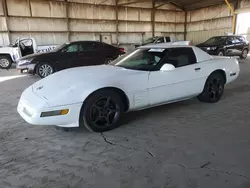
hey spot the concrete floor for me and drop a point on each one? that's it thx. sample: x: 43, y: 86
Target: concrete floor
x: 183, y: 145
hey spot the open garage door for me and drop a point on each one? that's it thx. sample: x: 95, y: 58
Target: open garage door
x: 243, y: 25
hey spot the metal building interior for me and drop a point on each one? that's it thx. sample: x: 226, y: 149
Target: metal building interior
x: 183, y: 145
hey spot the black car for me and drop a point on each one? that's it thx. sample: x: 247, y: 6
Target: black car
x: 226, y: 46
x: 69, y: 55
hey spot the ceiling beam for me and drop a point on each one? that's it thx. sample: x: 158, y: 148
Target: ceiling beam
x: 133, y: 2
x: 178, y: 4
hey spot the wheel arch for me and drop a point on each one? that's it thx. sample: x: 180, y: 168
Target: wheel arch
x: 6, y: 54
x: 119, y: 91
x: 222, y: 72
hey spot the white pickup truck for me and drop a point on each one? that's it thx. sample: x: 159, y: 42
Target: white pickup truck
x: 163, y: 39
x: 21, y: 48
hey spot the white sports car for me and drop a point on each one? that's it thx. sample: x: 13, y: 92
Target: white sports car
x: 97, y: 96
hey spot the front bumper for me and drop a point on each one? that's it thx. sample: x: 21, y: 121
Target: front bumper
x: 30, y: 69
x: 30, y: 108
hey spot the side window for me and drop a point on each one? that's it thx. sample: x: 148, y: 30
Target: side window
x: 180, y: 57
x: 235, y: 40
x: 89, y: 46
x: 168, y: 39
x: 71, y: 48
x: 229, y: 40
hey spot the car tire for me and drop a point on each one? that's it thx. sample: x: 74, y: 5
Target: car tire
x: 221, y: 53
x: 44, y: 69
x: 213, y: 89
x: 244, y: 54
x: 102, y: 111
x: 109, y: 60
x: 5, y: 62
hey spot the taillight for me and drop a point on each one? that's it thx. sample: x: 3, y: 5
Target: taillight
x: 189, y: 43
x: 122, y: 50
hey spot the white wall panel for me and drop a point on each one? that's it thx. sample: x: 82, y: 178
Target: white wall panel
x: 244, y: 3
x: 92, y: 26
x: 42, y: 38
x: 96, y: 2
x: 139, y: 5
x: 169, y: 27
x: 38, y: 24
x: 3, y: 26
x: 169, y: 16
x: 18, y: 7
x: 135, y: 27
x: 130, y: 38
x: 4, y: 40
x: 48, y: 9
x: 1, y: 8
x: 91, y: 12
x: 209, y: 13
x: 84, y: 36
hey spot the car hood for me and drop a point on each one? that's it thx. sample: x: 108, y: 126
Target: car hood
x: 35, y: 55
x: 68, y: 80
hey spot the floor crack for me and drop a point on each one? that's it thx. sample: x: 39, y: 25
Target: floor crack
x: 128, y: 148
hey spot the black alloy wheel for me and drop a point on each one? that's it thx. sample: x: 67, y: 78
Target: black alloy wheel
x: 102, y: 111
x: 214, y: 88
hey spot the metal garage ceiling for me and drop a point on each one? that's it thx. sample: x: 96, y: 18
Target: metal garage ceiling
x: 196, y: 4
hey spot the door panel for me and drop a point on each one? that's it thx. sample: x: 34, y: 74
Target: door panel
x: 181, y: 83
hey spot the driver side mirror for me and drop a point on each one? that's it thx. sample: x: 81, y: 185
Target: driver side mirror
x: 167, y: 67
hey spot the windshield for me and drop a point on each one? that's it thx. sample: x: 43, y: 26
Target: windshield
x: 215, y: 40
x: 141, y: 59
x: 150, y: 40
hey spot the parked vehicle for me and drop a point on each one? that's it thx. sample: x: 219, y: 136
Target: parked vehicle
x: 21, y: 48
x: 232, y: 45
x: 97, y: 96
x: 69, y: 55
x: 163, y: 39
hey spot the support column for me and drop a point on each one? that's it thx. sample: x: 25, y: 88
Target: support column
x: 116, y: 21
x: 5, y: 11
x: 153, y: 18
x: 185, y: 26
x: 234, y: 22
x: 67, y: 20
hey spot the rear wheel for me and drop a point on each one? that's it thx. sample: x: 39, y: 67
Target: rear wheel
x: 244, y: 54
x: 5, y: 62
x: 102, y: 111
x: 214, y: 88
x: 44, y: 70
x: 221, y: 53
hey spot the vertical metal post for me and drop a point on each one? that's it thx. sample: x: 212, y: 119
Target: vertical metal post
x: 5, y: 10
x: 234, y: 23
x: 29, y: 4
x: 185, y: 26
x: 153, y: 18
x: 67, y: 20
x: 117, y: 22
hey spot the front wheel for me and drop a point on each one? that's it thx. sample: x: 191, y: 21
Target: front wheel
x: 221, y: 53
x: 214, y: 88
x: 102, y: 111
x: 244, y: 54
x: 44, y: 70
x: 5, y: 62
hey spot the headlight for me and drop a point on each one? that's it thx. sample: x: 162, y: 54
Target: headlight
x: 21, y: 62
x: 212, y: 48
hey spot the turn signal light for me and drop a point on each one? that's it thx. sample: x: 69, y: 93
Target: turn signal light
x: 55, y: 113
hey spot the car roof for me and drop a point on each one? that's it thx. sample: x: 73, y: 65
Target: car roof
x: 163, y: 45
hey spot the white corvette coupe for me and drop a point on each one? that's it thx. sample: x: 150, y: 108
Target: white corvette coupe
x: 97, y: 96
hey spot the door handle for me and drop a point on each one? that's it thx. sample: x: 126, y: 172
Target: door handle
x: 197, y: 69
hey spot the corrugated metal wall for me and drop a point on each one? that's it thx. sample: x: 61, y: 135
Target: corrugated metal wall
x: 46, y: 21
x: 207, y: 22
